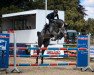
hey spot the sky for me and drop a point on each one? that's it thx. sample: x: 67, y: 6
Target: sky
x: 89, y: 7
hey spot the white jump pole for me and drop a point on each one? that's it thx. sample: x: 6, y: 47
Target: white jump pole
x: 89, y: 67
x: 15, y: 48
x: 45, y: 10
x: 88, y: 49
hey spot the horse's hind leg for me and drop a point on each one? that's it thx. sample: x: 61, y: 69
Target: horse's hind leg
x: 46, y: 43
x: 38, y: 51
x: 40, y: 41
x: 42, y: 57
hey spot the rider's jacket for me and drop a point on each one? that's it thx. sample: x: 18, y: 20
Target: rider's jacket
x: 52, y: 16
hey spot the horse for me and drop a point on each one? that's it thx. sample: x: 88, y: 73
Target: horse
x: 52, y: 31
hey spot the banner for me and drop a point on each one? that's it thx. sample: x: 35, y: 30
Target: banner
x: 82, y: 55
x: 92, y: 51
x: 4, y: 50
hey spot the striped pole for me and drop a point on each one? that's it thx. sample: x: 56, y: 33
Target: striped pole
x: 34, y: 48
x: 65, y: 55
x: 44, y: 48
x: 51, y: 64
x: 70, y: 44
x: 19, y: 48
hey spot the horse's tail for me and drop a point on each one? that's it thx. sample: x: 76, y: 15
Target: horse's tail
x: 38, y: 33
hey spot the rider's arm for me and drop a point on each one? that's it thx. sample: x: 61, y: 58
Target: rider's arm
x: 57, y: 16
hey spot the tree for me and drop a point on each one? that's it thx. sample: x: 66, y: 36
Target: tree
x: 75, y: 15
x: 89, y: 25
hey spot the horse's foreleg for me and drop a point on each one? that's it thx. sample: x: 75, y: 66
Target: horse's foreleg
x: 38, y: 51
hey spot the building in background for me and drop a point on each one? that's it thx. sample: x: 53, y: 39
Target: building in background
x: 26, y: 24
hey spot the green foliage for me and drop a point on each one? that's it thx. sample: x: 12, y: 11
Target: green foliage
x: 36, y: 4
x: 10, y: 9
x: 89, y: 26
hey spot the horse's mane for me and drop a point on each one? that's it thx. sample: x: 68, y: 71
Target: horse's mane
x: 53, y: 29
x: 56, y: 22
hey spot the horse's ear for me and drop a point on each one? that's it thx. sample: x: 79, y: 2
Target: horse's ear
x: 38, y: 33
x: 65, y: 25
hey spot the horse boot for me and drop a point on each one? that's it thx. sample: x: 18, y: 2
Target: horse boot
x: 42, y: 57
x: 42, y: 60
x: 37, y: 60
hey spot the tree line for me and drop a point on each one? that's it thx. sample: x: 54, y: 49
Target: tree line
x: 74, y: 11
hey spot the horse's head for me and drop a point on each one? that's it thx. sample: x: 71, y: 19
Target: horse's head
x: 61, y: 23
x: 58, y: 29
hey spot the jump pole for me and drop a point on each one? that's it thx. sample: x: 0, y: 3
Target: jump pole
x: 46, y: 64
x: 15, y: 67
x: 45, y: 10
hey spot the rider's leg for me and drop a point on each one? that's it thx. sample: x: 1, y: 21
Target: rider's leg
x: 50, y: 21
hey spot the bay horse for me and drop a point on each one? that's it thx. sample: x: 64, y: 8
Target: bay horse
x: 53, y: 31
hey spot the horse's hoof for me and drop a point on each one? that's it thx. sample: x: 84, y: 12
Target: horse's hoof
x: 52, y: 39
x: 41, y: 62
x: 36, y: 62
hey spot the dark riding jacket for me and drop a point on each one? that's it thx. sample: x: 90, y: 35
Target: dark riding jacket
x: 52, y: 16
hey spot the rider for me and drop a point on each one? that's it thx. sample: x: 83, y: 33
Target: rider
x: 51, y: 16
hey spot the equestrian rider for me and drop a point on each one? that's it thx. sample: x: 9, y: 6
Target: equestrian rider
x: 51, y: 16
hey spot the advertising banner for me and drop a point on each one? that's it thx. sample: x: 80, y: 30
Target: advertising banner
x: 4, y: 50
x: 92, y: 51
x: 82, y: 55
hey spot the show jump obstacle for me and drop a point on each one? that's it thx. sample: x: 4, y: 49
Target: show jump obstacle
x: 83, y: 53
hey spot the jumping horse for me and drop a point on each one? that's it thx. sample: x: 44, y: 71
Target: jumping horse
x: 53, y: 31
